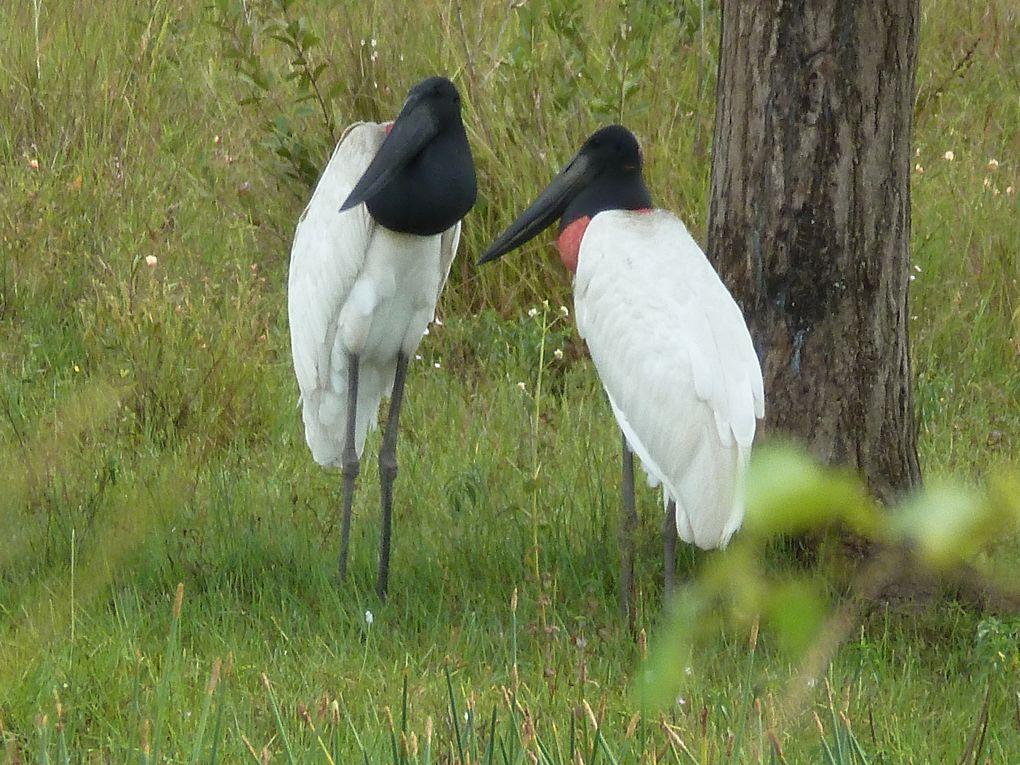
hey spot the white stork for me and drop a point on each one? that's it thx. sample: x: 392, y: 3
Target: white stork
x: 371, y: 254
x: 669, y: 343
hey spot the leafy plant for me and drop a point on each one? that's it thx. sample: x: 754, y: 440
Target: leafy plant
x: 293, y: 89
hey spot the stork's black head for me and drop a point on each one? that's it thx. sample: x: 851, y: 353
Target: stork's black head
x: 605, y: 174
x: 440, y: 96
x: 614, y: 158
x: 422, y: 179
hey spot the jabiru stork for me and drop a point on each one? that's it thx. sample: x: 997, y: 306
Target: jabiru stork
x: 371, y: 254
x: 669, y: 343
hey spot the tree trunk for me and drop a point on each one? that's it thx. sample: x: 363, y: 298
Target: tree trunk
x: 809, y: 223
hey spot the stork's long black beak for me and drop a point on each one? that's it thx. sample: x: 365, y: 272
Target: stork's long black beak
x: 414, y: 127
x: 547, y: 208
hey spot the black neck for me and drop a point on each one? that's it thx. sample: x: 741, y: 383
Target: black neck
x: 612, y: 190
x: 433, y: 191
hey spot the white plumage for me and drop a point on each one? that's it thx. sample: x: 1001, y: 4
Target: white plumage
x: 358, y: 288
x: 676, y: 360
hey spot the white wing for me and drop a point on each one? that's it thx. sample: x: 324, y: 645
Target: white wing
x: 676, y: 359
x: 447, y: 251
x: 325, y: 260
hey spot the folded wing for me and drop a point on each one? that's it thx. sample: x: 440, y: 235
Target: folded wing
x: 326, y: 257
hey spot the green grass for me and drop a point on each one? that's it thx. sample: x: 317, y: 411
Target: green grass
x: 149, y: 435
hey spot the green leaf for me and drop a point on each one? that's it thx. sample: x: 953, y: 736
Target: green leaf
x: 787, y: 493
x: 661, y: 675
x: 949, y: 524
x: 795, y: 612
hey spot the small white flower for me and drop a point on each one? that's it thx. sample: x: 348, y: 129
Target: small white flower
x: 1010, y: 191
x: 436, y: 365
x: 919, y: 169
x: 558, y: 354
x: 369, y: 618
x: 532, y: 313
x: 688, y: 670
x: 917, y: 268
x: 151, y: 261
x: 949, y: 156
x: 680, y: 701
x: 993, y: 164
x: 522, y: 387
x: 564, y: 311
x: 373, y: 42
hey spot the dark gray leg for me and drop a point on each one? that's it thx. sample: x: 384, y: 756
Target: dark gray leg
x: 628, y: 523
x: 351, y: 467
x: 388, y: 472
x: 669, y: 537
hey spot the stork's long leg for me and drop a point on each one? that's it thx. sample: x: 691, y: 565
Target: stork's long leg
x: 351, y: 466
x: 628, y: 524
x: 388, y: 472
x: 669, y: 537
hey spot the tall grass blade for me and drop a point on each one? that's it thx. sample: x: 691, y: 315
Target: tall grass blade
x: 394, y: 746
x: 217, y: 733
x: 214, y: 678
x: 403, y: 706
x: 748, y: 701
x: 976, y: 742
x: 168, y: 677
x: 43, y: 729
x: 490, y: 748
x: 279, y: 719
x: 453, y: 713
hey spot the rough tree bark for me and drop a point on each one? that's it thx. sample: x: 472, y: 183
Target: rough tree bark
x: 809, y: 222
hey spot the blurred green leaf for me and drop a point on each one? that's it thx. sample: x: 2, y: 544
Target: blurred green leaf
x: 795, y: 611
x: 788, y: 493
x: 661, y: 675
x: 948, y: 525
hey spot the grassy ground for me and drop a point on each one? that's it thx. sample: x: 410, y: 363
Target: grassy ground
x: 150, y: 436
